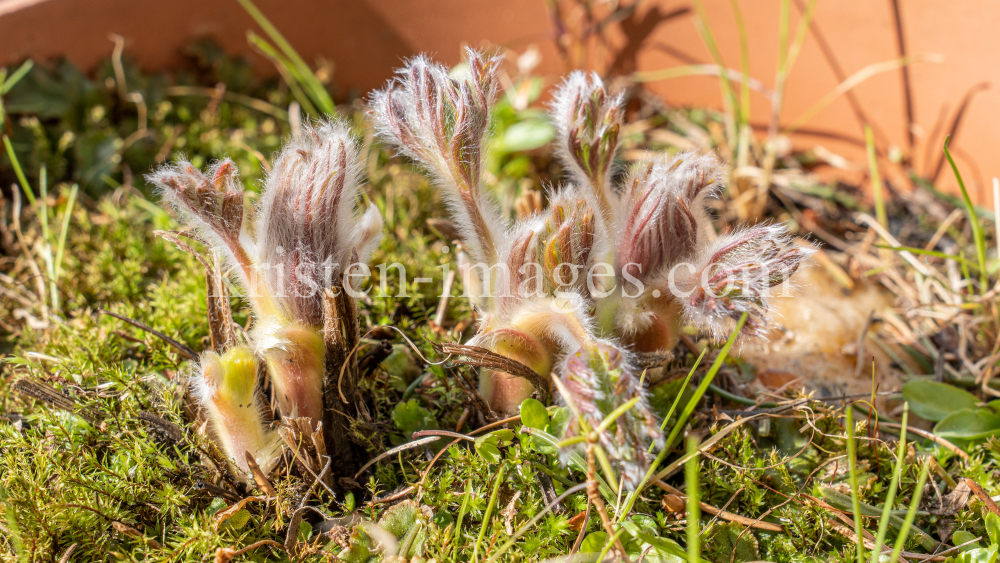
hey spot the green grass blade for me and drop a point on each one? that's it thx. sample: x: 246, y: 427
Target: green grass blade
x: 852, y: 466
x: 682, y: 420
x: 15, y: 77
x: 876, y: 178
x: 18, y: 171
x: 605, y: 463
x: 703, y: 386
x: 3, y: 77
x: 489, y: 510
x: 677, y: 399
x: 800, y: 36
x: 741, y: 30
x: 616, y: 414
x: 934, y: 253
x: 910, y: 514
x: 977, y: 228
x: 306, y: 75
x: 729, y: 101
x: 693, y: 509
x: 461, y: 516
x: 67, y: 216
x: 897, y: 471
x: 286, y: 70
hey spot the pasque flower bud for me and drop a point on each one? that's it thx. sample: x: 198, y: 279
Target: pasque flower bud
x: 442, y: 121
x: 545, y: 306
x: 735, y: 276
x: 226, y: 387
x: 588, y: 120
x: 599, y: 380
x: 309, y: 226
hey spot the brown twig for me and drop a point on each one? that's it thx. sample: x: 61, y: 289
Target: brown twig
x: 481, y: 357
x: 729, y: 516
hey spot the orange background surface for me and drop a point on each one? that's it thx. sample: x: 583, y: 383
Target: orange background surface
x: 366, y: 39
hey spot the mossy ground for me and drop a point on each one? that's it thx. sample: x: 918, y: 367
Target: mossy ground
x: 106, y: 484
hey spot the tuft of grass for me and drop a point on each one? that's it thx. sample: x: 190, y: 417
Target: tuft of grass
x: 310, y: 92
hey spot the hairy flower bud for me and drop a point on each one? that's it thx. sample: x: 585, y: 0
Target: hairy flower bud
x: 442, y: 121
x: 296, y: 361
x: 307, y: 226
x: 212, y: 202
x: 661, y: 214
x: 226, y: 388
x: 599, y: 380
x: 570, y: 242
x: 735, y: 276
x: 588, y: 120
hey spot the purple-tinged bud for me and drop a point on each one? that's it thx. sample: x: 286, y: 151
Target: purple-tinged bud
x: 599, y: 380
x: 736, y: 275
x: 521, y: 279
x: 661, y: 215
x: 442, y: 122
x: 310, y: 223
x: 296, y: 362
x: 588, y: 121
x: 211, y: 202
x: 226, y: 388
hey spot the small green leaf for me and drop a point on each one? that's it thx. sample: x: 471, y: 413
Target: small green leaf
x: 594, y: 542
x: 961, y: 536
x: 533, y: 414
x: 488, y: 451
x: 504, y: 436
x: 560, y: 418
x: 993, y: 527
x: 487, y: 447
x: 934, y: 401
x: 969, y: 424
x: 526, y: 135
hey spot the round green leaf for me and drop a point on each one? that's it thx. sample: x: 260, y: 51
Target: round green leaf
x: 486, y: 447
x: 961, y: 536
x: 594, y: 542
x: 533, y: 414
x: 969, y: 424
x: 526, y: 135
x: 934, y: 401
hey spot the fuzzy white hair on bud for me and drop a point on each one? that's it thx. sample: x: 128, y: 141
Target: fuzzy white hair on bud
x: 226, y: 388
x: 212, y: 203
x: 661, y: 217
x: 598, y: 379
x: 587, y: 120
x: 737, y: 274
x: 442, y: 121
x: 308, y: 227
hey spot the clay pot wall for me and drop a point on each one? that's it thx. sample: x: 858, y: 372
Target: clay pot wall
x: 366, y: 39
